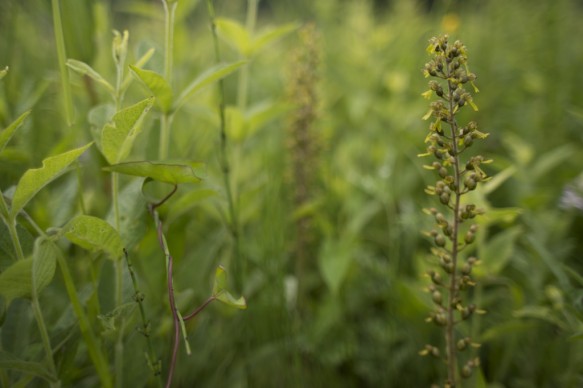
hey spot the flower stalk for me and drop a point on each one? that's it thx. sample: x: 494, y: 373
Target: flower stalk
x: 458, y: 174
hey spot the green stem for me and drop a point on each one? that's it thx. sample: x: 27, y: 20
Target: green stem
x: 239, y: 265
x: 166, y: 121
x: 62, y: 55
x: 91, y: 341
x: 44, y: 334
x: 153, y: 362
x: 11, y: 223
x: 243, y: 86
x: 453, y: 293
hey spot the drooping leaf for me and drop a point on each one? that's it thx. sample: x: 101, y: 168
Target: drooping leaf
x: 84, y: 69
x: 213, y: 74
x: 270, y: 36
x: 9, y: 361
x: 7, y: 133
x: 173, y: 173
x: 35, y: 179
x: 44, y: 263
x: 234, y: 34
x: 16, y: 280
x: 118, y: 136
x: 220, y: 291
x: 94, y: 234
x: 157, y: 85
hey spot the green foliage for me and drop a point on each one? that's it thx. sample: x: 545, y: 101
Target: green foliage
x: 355, y: 314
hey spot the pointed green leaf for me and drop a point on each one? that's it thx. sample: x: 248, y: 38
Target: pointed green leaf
x: 35, y: 179
x: 9, y: 361
x: 6, y: 134
x: 118, y: 136
x: 220, y: 292
x: 139, y: 63
x: 234, y: 34
x: 84, y: 69
x: 16, y: 280
x: 271, y: 36
x: 94, y: 234
x: 44, y: 263
x: 213, y: 74
x: 173, y: 173
x: 157, y: 85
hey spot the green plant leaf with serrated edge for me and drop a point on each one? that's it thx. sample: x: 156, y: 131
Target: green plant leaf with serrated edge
x: 119, y: 135
x: 7, y: 133
x: 157, y: 85
x: 234, y: 34
x: 271, y: 36
x: 44, y: 263
x: 16, y: 280
x: 34, y: 180
x: 94, y: 234
x: 220, y: 292
x: 213, y: 74
x: 84, y: 69
x: 9, y: 361
x: 173, y: 173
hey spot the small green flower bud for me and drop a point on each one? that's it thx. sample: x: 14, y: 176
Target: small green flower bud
x: 439, y: 240
x: 437, y: 297
x: 466, y: 371
x: 473, y: 228
x: 470, y: 183
x: 442, y: 172
x: 444, y: 198
x: 470, y: 237
x: 466, y: 269
x: 468, y: 140
x: 440, y: 219
x: 462, y: 344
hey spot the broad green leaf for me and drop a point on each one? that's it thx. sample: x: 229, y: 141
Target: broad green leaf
x: 11, y: 362
x: 98, y: 117
x: 16, y: 280
x: 7, y: 133
x: 213, y: 74
x: 271, y: 36
x: 545, y: 163
x: 234, y: 34
x: 94, y: 234
x: 84, y: 69
x: 134, y: 219
x: 220, y: 291
x: 173, y: 173
x: 497, y: 252
x: 157, y: 85
x: 3, y: 72
x: 498, y: 179
x: 334, y: 262
x: 35, y: 179
x: 44, y: 263
x: 118, y: 136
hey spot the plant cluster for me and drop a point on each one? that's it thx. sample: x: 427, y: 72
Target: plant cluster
x: 458, y: 175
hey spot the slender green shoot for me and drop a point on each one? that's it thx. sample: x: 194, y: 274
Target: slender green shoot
x: 62, y: 56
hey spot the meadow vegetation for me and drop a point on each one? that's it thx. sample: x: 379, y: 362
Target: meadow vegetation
x: 157, y: 156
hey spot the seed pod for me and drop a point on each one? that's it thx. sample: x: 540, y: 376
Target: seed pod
x: 442, y: 172
x: 466, y: 269
x: 468, y: 140
x: 437, y: 297
x: 439, y: 240
x: 470, y: 237
x: 466, y: 371
x: 470, y: 183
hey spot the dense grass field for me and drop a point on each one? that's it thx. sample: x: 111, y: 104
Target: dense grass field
x: 304, y: 119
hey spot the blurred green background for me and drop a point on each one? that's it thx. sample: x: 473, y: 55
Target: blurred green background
x: 352, y: 314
